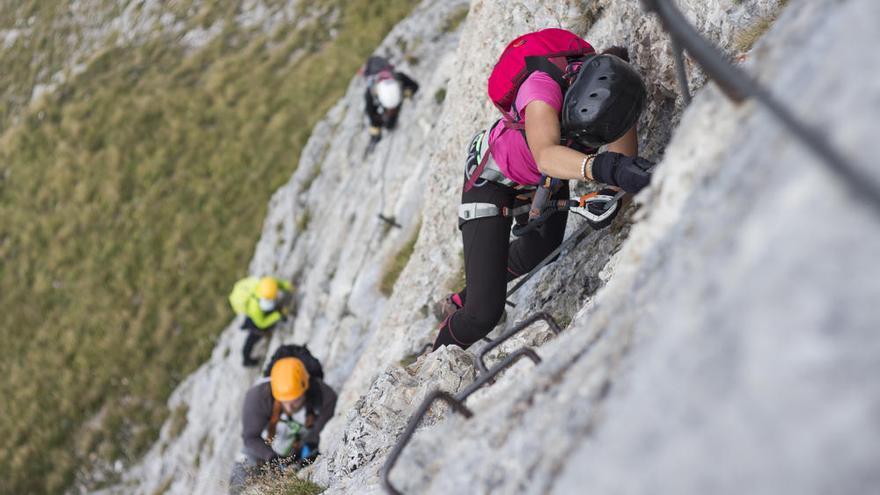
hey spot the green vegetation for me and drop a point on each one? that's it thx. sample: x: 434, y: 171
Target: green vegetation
x: 395, y: 265
x: 273, y: 483
x: 130, y: 202
x: 744, y: 40
x: 458, y: 280
x: 178, y: 420
x: 440, y: 96
x: 455, y: 19
x: 163, y: 487
x: 302, y: 223
x: 408, y: 360
x: 589, y: 15
x: 37, y: 50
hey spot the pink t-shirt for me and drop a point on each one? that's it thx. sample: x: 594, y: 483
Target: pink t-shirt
x: 508, y: 146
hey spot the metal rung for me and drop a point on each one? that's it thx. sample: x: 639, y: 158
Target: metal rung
x: 541, y: 316
x: 407, y: 434
x: 457, y: 404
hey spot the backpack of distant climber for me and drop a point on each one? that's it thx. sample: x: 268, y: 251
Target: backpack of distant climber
x: 301, y: 352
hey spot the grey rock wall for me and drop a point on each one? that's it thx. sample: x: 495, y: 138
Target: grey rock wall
x: 335, y: 259
x: 719, y: 334
x: 730, y: 351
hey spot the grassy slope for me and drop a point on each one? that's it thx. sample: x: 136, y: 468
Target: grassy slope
x: 130, y: 200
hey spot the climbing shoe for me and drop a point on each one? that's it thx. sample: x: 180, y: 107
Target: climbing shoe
x: 444, y: 308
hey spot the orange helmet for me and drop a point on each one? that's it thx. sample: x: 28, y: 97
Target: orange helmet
x: 289, y: 379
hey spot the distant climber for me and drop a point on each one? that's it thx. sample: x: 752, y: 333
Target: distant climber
x: 264, y: 302
x: 283, y: 415
x: 386, y: 89
x: 561, y: 101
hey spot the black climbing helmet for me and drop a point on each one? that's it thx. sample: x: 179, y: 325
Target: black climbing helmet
x: 604, y: 101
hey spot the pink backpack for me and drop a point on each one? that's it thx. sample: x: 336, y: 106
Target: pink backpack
x: 545, y: 51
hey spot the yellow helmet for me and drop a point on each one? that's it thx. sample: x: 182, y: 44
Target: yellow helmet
x: 267, y: 288
x: 289, y: 379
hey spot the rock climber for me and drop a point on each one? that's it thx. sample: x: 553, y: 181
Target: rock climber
x: 386, y: 89
x: 283, y: 415
x: 264, y: 303
x: 562, y: 101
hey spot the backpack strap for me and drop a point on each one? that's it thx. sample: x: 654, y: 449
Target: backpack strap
x: 549, y: 67
x: 475, y: 175
x: 477, y: 172
x: 273, y: 421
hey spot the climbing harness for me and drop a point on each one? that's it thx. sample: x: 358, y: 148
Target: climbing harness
x: 480, y: 167
x: 474, y: 211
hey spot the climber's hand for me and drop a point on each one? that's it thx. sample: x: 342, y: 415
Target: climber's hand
x: 283, y: 462
x: 308, y: 453
x: 629, y: 173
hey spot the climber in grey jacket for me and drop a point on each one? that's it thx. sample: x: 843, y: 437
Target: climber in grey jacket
x: 289, y: 389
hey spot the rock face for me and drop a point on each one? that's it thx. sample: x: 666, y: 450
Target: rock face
x: 322, y: 232
x: 719, y: 334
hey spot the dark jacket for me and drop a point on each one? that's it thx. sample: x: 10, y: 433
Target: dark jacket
x: 373, y: 108
x: 257, y: 411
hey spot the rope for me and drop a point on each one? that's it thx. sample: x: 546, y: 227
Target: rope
x: 389, y: 220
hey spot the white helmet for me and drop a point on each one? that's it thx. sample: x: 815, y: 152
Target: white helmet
x: 388, y: 92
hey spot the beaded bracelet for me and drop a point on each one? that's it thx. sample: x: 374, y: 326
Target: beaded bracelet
x: 588, y: 158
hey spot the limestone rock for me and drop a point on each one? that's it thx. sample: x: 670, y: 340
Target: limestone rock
x: 719, y: 335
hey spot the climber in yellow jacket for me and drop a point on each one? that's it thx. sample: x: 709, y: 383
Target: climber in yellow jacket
x: 261, y: 301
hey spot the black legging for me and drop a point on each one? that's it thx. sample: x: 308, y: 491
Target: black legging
x: 491, y: 261
x: 254, y: 336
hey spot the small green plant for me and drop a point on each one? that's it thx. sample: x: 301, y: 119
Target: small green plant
x: 161, y: 489
x: 589, y: 16
x: 408, y: 360
x: 744, y: 40
x: 455, y: 19
x: 458, y: 280
x: 395, y: 266
x: 302, y: 223
x: 273, y: 483
x: 178, y: 420
x: 307, y: 184
x: 440, y: 96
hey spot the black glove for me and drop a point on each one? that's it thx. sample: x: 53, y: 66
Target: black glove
x: 597, y: 208
x: 626, y: 172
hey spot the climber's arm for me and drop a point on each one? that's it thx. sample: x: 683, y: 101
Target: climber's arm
x: 543, y: 136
